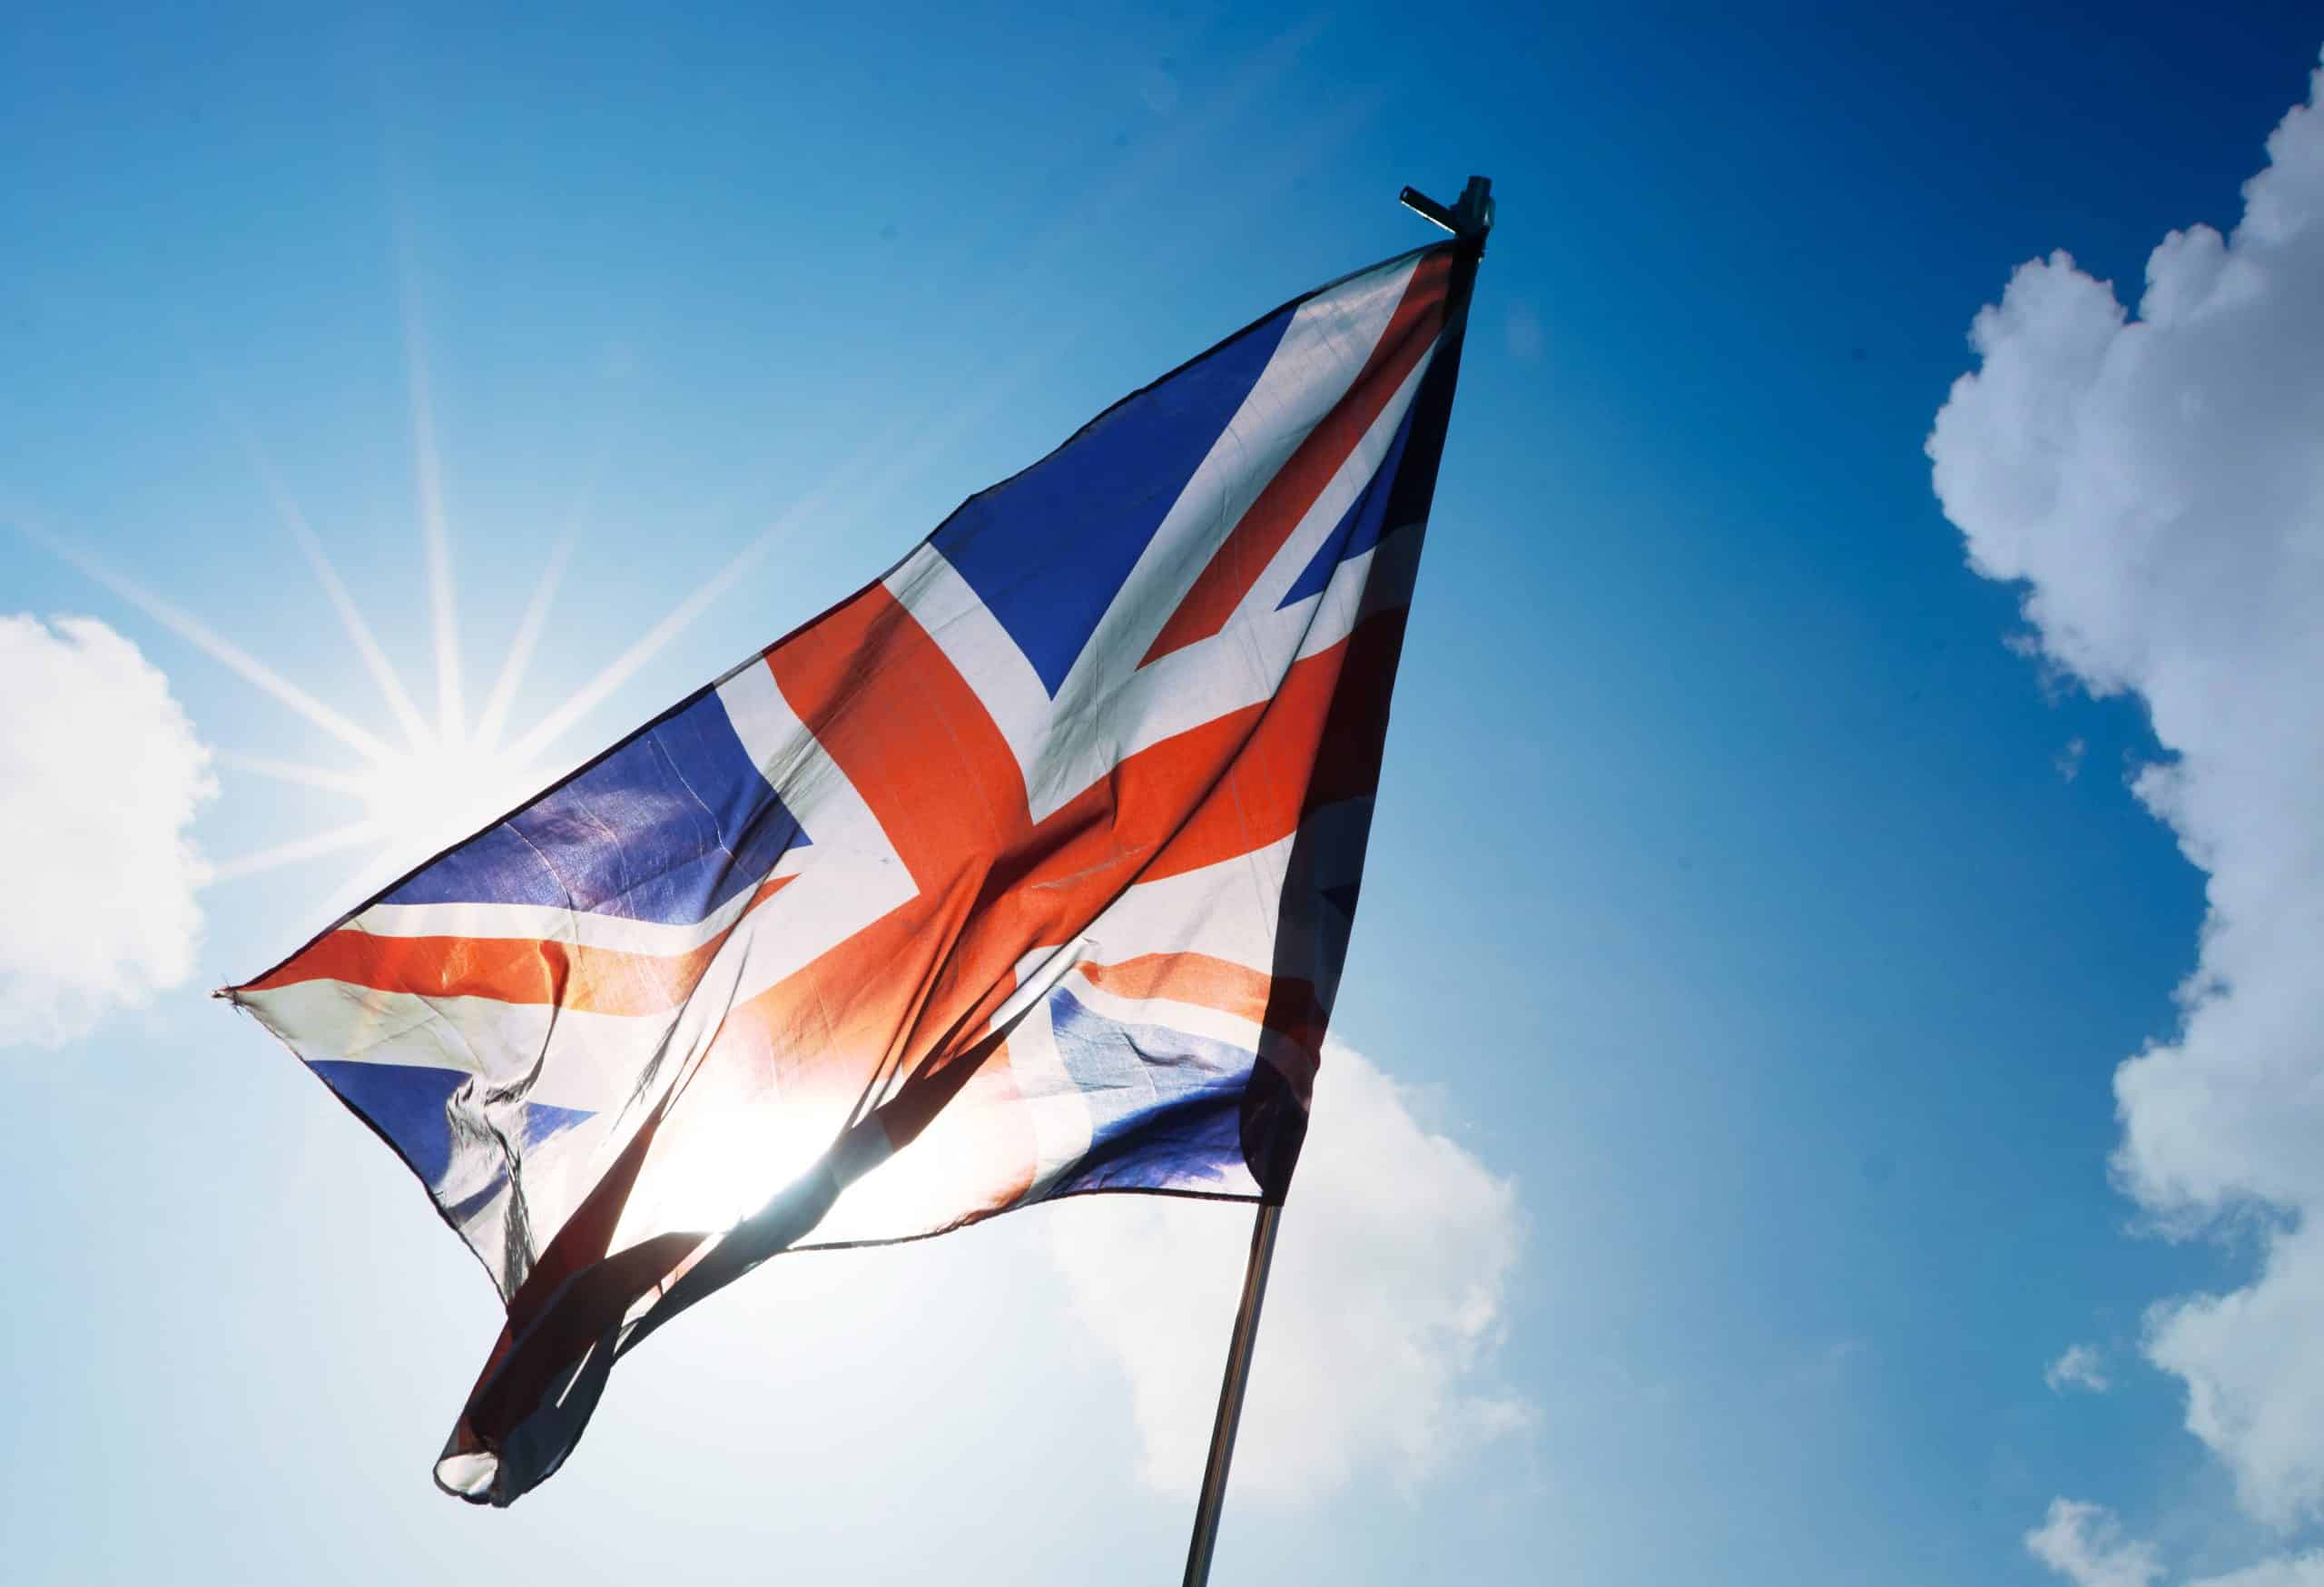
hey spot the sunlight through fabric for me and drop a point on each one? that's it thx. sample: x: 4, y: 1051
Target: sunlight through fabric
x: 1026, y: 871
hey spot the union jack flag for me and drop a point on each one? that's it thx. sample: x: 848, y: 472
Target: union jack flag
x: 1025, y: 872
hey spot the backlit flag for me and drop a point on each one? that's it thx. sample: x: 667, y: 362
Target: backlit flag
x: 1025, y: 872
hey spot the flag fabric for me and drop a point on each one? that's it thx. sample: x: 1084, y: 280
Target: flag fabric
x: 1025, y: 872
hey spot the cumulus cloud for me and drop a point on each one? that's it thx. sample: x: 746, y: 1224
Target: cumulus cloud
x: 2292, y: 1570
x: 2078, y: 1368
x: 2153, y: 480
x: 2084, y: 1543
x: 1383, y: 1313
x: 99, y: 776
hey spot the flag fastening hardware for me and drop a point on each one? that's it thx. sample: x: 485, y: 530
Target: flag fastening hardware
x: 1469, y: 220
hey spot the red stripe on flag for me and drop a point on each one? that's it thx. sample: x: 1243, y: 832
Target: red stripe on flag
x: 1287, y: 498
x: 1317, y: 742
x: 889, y: 708
x: 914, y: 990
x: 511, y: 969
x: 1212, y: 982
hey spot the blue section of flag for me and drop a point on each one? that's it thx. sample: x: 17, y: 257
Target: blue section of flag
x: 405, y: 1102
x: 1048, y: 550
x: 1165, y: 1107
x: 666, y: 828
x: 1361, y: 527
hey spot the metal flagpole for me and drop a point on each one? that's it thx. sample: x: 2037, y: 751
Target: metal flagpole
x: 1230, y: 1395
x: 1468, y: 220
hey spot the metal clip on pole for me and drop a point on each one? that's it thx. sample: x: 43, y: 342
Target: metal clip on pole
x: 1468, y: 220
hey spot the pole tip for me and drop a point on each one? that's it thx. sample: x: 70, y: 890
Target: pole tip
x: 1474, y: 212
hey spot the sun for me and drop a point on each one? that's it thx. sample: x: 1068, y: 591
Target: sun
x: 423, y: 801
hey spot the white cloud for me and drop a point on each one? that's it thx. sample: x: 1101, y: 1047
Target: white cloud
x: 1383, y: 1310
x: 2291, y: 1571
x: 2155, y: 483
x: 2079, y: 1367
x: 99, y: 776
x: 2084, y: 1543
x: 2254, y: 1369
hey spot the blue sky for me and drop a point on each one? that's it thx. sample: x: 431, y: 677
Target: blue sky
x: 1728, y: 894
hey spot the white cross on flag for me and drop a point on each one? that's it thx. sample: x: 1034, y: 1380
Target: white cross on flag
x: 1025, y: 872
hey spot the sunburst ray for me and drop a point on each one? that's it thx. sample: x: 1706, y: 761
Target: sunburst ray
x: 895, y: 467
x: 435, y: 531
x: 218, y: 649
x: 400, y: 702
x: 360, y: 884
x: 680, y: 618
x: 352, y: 835
x: 348, y: 782
x: 488, y: 727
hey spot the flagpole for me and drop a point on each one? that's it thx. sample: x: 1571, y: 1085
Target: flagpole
x: 1230, y: 1394
x: 1468, y: 220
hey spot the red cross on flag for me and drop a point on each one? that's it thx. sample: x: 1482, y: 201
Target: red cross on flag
x: 1025, y: 872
